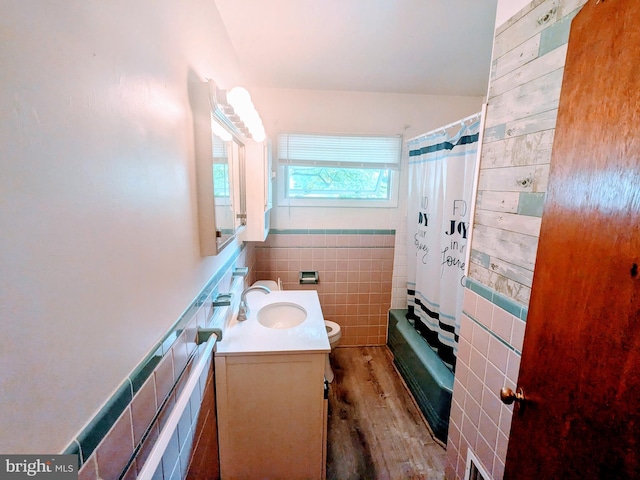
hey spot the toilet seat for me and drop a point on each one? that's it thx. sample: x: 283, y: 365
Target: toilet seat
x: 270, y: 284
x: 333, y: 330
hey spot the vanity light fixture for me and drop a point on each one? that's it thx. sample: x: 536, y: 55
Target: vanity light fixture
x: 236, y: 110
x: 219, y: 131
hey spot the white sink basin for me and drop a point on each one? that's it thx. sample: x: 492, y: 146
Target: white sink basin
x: 281, y: 315
x: 278, y: 309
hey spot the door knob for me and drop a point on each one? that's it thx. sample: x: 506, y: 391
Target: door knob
x: 508, y: 396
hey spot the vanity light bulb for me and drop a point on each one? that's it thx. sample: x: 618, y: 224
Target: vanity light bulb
x: 252, y: 120
x: 257, y: 132
x: 239, y: 98
x: 259, y: 136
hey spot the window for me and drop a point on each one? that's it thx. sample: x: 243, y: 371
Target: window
x: 221, y: 169
x: 338, y: 170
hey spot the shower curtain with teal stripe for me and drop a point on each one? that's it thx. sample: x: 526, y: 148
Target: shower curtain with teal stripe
x: 441, y: 175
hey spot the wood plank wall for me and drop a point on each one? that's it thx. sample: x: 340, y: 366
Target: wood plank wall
x: 524, y: 91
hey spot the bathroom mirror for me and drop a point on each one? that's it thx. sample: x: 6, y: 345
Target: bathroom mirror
x: 225, y: 154
x: 219, y: 155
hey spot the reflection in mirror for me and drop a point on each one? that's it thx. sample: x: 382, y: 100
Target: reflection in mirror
x: 222, y: 195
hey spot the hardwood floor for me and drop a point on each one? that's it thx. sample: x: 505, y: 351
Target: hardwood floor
x: 375, y: 429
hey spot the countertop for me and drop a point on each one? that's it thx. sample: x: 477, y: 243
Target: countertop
x: 250, y: 337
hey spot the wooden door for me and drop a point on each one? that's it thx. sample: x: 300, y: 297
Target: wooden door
x: 580, y: 367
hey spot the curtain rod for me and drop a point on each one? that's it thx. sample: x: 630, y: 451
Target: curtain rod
x: 443, y: 128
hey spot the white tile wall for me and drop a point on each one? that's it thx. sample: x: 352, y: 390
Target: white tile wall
x: 399, y: 281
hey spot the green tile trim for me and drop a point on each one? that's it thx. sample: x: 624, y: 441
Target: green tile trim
x: 507, y: 304
x: 497, y: 298
x: 144, y: 370
x: 490, y: 332
x: 480, y: 289
x: 101, y: 423
x: 287, y: 231
x: 164, y: 408
x: 97, y: 429
x: 73, y: 449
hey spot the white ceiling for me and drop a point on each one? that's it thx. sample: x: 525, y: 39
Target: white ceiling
x: 439, y: 47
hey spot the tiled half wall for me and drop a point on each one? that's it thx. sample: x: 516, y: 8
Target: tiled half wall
x: 491, y: 339
x: 355, y: 269
x: 117, y: 441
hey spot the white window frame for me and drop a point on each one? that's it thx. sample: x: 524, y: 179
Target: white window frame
x: 393, y: 165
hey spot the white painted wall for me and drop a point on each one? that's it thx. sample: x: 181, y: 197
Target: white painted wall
x: 99, y: 250
x: 316, y: 111
x: 508, y: 8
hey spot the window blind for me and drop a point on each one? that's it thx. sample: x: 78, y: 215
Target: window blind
x: 343, y: 151
x: 220, y: 150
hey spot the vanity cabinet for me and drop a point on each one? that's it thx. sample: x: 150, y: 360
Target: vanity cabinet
x: 272, y: 416
x: 259, y: 181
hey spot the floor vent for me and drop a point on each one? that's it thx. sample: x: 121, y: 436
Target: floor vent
x: 475, y: 470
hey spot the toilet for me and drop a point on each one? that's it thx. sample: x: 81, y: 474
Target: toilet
x: 334, y: 333
x: 333, y: 329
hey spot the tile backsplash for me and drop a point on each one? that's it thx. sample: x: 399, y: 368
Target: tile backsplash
x: 355, y: 270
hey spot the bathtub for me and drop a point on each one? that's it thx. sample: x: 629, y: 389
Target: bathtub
x: 428, y: 379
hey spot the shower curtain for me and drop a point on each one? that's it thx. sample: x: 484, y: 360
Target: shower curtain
x: 441, y: 175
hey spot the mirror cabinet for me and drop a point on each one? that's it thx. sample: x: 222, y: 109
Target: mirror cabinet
x: 233, y: 173
x: 220, y: 179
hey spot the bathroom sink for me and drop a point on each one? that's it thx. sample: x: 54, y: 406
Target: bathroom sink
x: 281, y: 315
x: 284, y: 321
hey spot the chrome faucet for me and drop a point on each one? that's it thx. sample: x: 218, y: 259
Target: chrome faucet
x: 243, y: 311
